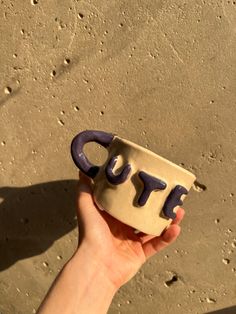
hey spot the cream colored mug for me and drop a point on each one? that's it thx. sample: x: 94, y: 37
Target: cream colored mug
x: 135, y: 185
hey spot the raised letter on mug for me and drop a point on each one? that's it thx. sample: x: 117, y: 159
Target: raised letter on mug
x: 173, y: 200
x: 121, y: 177
x: 150, y: 184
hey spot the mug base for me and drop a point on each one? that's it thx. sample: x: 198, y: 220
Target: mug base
x: 136, y: 231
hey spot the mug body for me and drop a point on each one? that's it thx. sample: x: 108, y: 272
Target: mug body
x: 122, y: 200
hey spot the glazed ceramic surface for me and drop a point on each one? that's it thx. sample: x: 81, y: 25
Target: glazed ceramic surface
x: 135, y: 185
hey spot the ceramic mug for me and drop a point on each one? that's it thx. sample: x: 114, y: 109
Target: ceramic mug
x: 135, y: 185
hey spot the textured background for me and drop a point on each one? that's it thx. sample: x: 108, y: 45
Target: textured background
x: 159, y: 73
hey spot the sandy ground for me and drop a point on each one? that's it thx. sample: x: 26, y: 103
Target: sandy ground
x: 159, y: 73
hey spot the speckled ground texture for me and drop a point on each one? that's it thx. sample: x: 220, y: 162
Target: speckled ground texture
x: 159, y: 73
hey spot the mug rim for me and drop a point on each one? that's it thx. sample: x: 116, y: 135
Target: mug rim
x: 148, y: 151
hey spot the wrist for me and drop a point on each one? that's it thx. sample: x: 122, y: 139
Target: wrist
x: 91, y: 262
x: 88, y: 272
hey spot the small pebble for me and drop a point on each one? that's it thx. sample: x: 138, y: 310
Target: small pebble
x: 53, y: 73
x: 24, y: 220
x: 60, y: 122
x: 7, y: 90
x: 66, y: 61
x: 226, y: 261
x: 59, y: 257
x: 210, y: 300
x: 45, y: 264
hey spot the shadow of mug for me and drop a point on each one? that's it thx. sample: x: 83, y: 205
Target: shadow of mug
x: 33, y: 217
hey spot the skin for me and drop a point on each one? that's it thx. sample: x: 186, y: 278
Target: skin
x: 108, y: 255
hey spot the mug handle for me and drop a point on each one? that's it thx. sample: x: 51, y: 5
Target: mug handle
x: 78, y: 156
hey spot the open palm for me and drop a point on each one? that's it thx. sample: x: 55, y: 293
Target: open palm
x: 121, y: 250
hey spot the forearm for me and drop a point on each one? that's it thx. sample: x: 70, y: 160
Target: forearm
x: 81, y: 287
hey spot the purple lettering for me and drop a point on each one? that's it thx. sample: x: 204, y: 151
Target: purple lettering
x: 150, y: 184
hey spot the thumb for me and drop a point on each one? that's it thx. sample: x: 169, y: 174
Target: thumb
x: 85, y: 205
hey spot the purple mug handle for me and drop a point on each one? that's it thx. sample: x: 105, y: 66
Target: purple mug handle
x: 78, y: 156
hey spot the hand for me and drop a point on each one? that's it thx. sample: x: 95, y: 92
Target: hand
x: 115, y: 245
x: 109, y: 254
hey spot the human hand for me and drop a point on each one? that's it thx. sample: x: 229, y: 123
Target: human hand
x: 109, y: 254
x: 113, y: 244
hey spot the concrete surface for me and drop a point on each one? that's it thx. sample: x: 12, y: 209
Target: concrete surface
x: 159, y: 73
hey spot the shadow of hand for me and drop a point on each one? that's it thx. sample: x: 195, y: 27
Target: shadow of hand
x: 33, y: 217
